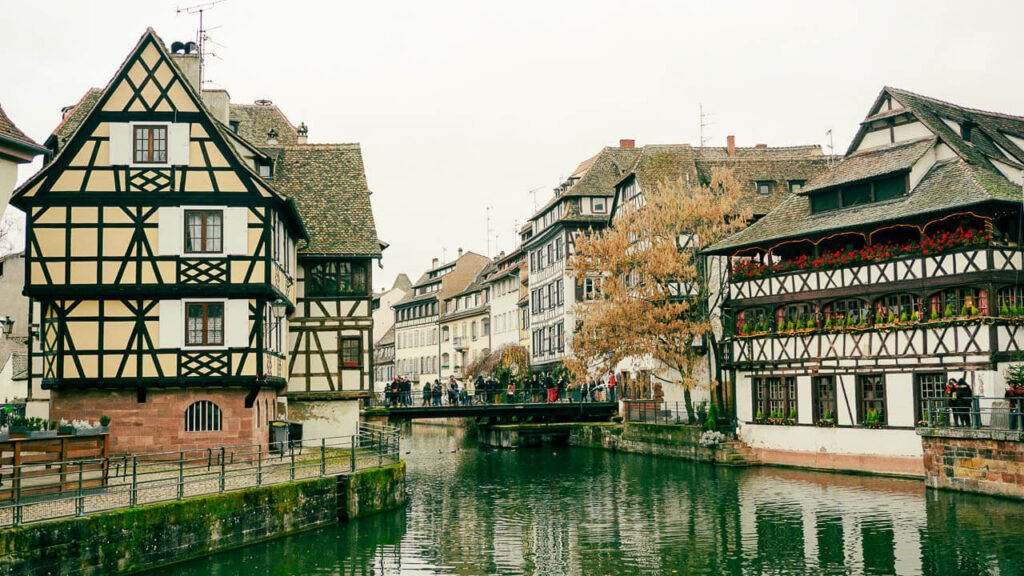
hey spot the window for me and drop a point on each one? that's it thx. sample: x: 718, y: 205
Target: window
x: 1008, y: 298
x: 795, y: 313
x: 204, y: 231
x: 896, y: 305
x: 234, y: 126
x: 930, y: 386
x: 351, y: 353
x: 150, y: 144
x: 257, y: 414
x: 202, y: 416
x: 860, y: 193
x: 264, y: 168
x: 486, y: 327
x: 204, y: 324
x: 445, y: 334
x: 445, y: 360
x: 599, y: 205
x: 335, y: 278
x: 795, y: 186
x: 752, y: 320
x: 764, y: 187
x: 823, y: 390
x: 558, y: 292
x: 871, y: 396
x: 474, y: 330
x: 954, y: 300
x: 775, y: 396
x: 560, y: 337
x: 849, y: 311
x: 589, y: 288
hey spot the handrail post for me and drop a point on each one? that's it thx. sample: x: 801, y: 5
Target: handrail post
x: 222, y: 469
x: 380, y: 449
x: 135, y: 482
x: 353, y: 452
x: 323, y: 456
x: 291, y: 453
x: 181, y: 474
x: 80, y: 502
x: 259, y: 464
x: 17, y: 498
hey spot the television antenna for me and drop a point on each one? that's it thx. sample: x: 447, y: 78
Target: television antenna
x: 534, y: 192
x: 489, y: 231
x: 704, y: 123
x: 201, y: 34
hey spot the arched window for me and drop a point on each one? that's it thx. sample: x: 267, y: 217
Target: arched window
x: 445, y: 333
x: 445, y: 360
x: 258, y: 419
x: 202, y: 416
x: 847, y: 311
x: 1011, y: 297
x: 751, y: 320
x: 954, y: 301
x: 896, y: 305
x: 795, y: 314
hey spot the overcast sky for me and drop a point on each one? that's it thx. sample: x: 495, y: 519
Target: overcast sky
x: 464, y: 105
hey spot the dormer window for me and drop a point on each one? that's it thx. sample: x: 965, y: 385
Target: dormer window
x: 859, y: 193
x: 264, y: 169
x: 764, y: 187
x: 795, y: 186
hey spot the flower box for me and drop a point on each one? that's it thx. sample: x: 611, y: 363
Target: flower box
x: 66, y: 431
x: 42, y: 434
x: 826, y: 423
x: 18, y: 431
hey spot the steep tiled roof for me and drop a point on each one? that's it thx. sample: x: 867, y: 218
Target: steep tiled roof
x: 948, y: 185
x: 11, y: 132
x: 387, y: 339
x: 255, y: 121
x: 328, y: 184
x: 871, y: 163
x: 597, y: 175
x: 73, y: 118
x: 965, y: 180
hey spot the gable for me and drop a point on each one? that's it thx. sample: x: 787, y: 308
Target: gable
x: 150, y: 90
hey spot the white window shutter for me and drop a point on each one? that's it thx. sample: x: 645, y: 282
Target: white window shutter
x: 178, y: 143
x: 172, y: 324
x: 169, y: 231
x: 236, y: 323
x: 236, y: 230
x: 120, y: 143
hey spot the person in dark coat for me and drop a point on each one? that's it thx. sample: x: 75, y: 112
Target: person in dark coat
x: 962, y: 395
x: 1015, y: 394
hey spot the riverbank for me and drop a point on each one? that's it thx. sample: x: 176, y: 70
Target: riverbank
x: 665, y: 440
x: 141, y: 538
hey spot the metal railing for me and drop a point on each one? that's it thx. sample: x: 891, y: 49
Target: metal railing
x: 488, y: 396
x: 47, y: 491
x: 975, y: 412
x: 654, y: 412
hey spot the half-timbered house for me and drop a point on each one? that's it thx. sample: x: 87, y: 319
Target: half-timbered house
x: 160, y: 266
x: 580, y: 203
x: 853, y: 302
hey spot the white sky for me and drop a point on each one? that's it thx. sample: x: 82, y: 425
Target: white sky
x: 464, y: 105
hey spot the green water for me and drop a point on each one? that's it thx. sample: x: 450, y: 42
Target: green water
x: 560, y: 511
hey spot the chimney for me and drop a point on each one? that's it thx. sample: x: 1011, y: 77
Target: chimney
x: 731, y: 145
x: 627, y: 143
x: 460, y: 252
x: 434, y: 263
x: 189, y: 65
x: 218, y: 102
x: 303, y: 131
x: 760, y: 146
x: 272, y: 137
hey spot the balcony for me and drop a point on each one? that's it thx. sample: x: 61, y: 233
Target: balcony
x: 975, y: 339
x: 906, y: 268
x: 460, y: 343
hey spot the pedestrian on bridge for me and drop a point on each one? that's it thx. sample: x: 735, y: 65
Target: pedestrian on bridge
x: 510, y: 393
x: 426, y: 394
x: 469, y: 392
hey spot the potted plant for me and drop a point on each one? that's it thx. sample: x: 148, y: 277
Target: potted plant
x: 19, y: 427
x: 105, y: 423
x: 65, y: 428
x: 43, y: 429
x: 826, y: 421
x: 792, y: 417
x: 873, y: 420
x: 759, y: 418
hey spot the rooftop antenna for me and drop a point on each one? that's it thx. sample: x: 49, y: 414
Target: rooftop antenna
x: 534, y: 192
x: 489, y: 231
x: 704, y: 123
x: 201, y: 34
x: 831, y: 147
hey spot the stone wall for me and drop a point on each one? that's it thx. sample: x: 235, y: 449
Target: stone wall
x: 158, y: 424
x: 666, y: 440
x: 974, y: 460
x: 126, y: 541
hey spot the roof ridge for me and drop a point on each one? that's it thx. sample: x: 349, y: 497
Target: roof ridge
x: 960, y: 106
x: 891, y: 146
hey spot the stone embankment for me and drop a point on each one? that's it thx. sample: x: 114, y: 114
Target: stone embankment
x: 666, y: 440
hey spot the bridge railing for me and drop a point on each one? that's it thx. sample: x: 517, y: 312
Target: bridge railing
x: 976, y: 412
x: 489, y: 396
x: 78, y: 487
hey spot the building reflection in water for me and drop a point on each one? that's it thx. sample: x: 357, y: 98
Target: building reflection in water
x: 554, y: 511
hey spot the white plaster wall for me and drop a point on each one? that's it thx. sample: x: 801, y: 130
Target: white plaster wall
x: 38, y: 409
x: 884, y: 442
x: 9, y: 389
x: 804, y: 401
x: 846, y: 401
x: 911, y: 131
x: 873, y: 139
x: 384, y: 316
x: 327, y: 419
x: 8, y: 178
x: 899, y: 399
x: 12, y: 303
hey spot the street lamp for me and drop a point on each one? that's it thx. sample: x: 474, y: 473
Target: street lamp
x: 8, y: 325
x: 280, y: 308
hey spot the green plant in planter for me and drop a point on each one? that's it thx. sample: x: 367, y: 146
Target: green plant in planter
x: 892, y: 318
x: 760, y: 415
x: 53, y: 424
x: 1003, y: 310
x: 948, y: 312
x: 810, y: 324
x: 914, y: 317
x: 792, y: 414
x: 828, y: 322
x: 104, y: 421
x: 903, y: 317
x: 878, y: 317
x: 781, y: 325
x: 975, y: 311
x: 711, y: 423
x: 800, y: 324
x: 965, y: 310
x: 935, y: 315
x: 790, y: 326
x: 745, y: 329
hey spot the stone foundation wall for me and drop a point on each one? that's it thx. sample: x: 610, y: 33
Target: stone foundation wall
x: 127, y: 541
x: 969, y: 460
x: 158, y: 424
x: 665, y: 440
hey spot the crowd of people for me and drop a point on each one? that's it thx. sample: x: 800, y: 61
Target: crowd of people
x: 536, y: 388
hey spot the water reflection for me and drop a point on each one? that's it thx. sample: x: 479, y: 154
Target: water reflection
x: 554, y: 511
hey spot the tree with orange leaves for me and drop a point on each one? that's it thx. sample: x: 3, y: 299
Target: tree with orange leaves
x: 658, y: 295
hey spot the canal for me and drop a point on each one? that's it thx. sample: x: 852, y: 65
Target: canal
x: 567, y: 511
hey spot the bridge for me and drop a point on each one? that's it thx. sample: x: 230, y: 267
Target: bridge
x: 521, y: 407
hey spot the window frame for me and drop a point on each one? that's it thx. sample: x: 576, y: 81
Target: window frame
x: 818, y: 401
x: 921, y: 401
x: 213, y: 421
x: 862, y: 402
x: 766, y: 184
x: 343, y: 352
x: 206, y: 343
x: 150, y: 140
x: 594, y: 202
x: 204, y: 213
